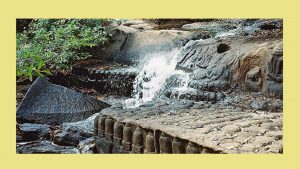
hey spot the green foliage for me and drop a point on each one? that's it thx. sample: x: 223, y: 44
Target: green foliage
x: 50, y: 44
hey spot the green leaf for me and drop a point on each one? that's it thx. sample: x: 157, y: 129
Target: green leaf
x: 41, y: 64
x: 56, y: 43
x: 48, y: 72
x: 30, y: 77
x: 40, y: 74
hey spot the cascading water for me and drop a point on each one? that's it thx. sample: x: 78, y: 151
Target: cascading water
x: 151, y: 81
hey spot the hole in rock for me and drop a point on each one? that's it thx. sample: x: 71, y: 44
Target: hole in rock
x: 268, y: 27
x: 222, y: 48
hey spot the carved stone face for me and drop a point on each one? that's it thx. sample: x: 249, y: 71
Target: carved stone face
x: 253, y: 79
x: 275, y: 74
x: 275, y: 66
x: 197, y: 57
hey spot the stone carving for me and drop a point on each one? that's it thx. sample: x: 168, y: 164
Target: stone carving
x: 214, y: 86
x: 177, y: 146
x: 275, y: 74
x: 164, y: 144
x: 127, y: 138
x: 137, y: 141
x: 253, y: 80
x: 275, y: 66
x: 192, y: 148
x: 194, y: 56
x: 116, y: 82
x: 118, y: 133
x: 109, y: 129
x: 101, y: 126
x: 149, y: 143
x: 130, y: 139
x: 195, y: 95
x: 96, y: 125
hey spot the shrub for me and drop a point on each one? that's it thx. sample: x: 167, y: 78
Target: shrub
x: 54, y: 44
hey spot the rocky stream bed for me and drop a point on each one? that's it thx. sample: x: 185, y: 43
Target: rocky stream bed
x: 211, y: 86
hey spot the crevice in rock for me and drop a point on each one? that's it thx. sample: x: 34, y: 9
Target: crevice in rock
x: 223, y: 48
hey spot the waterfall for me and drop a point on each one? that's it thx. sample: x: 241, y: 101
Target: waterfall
x: 152, y: 79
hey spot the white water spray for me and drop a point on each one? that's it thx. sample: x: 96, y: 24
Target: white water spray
x: 152, y: 78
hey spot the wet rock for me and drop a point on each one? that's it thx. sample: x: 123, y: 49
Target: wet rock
x: 31, y: 132
x: 116, y: 81
x: 87, y: 146
x: 215, y: 86
x: 49, y: 104
x: 259, y: 25
x: 72, y: 134
x: 201, y: 105
x: 129, y: 45
x: 182, y: 104
x: 210, y: 60
x: 84, y: 125
x: 249, y: 30
x: 220, y: 96
x: 133, y: 22
x: 19, y: 138
x: 275, y: 106
x: 271, y: 24
x: 213, y: 27
x: 71, y: 137
x: 44, y: 147
x: 126, y: 29
x: 275, y: 89
x: 258, y: 104
x: 143, y: 26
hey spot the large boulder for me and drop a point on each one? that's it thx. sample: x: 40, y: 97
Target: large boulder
x: 48, y: 103
x: 71, y: 137
x: 136, y: 46
x: 131, y: 46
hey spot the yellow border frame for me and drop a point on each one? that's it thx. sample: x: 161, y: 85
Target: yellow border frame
x: 10, y: 10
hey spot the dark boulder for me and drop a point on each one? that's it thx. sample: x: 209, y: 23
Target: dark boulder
x: 71, y: 136
x: 48, y: 103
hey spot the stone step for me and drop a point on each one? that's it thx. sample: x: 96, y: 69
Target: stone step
x: 114, y: 81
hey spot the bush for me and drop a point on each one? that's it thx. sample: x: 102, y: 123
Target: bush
x: 54, y: 44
